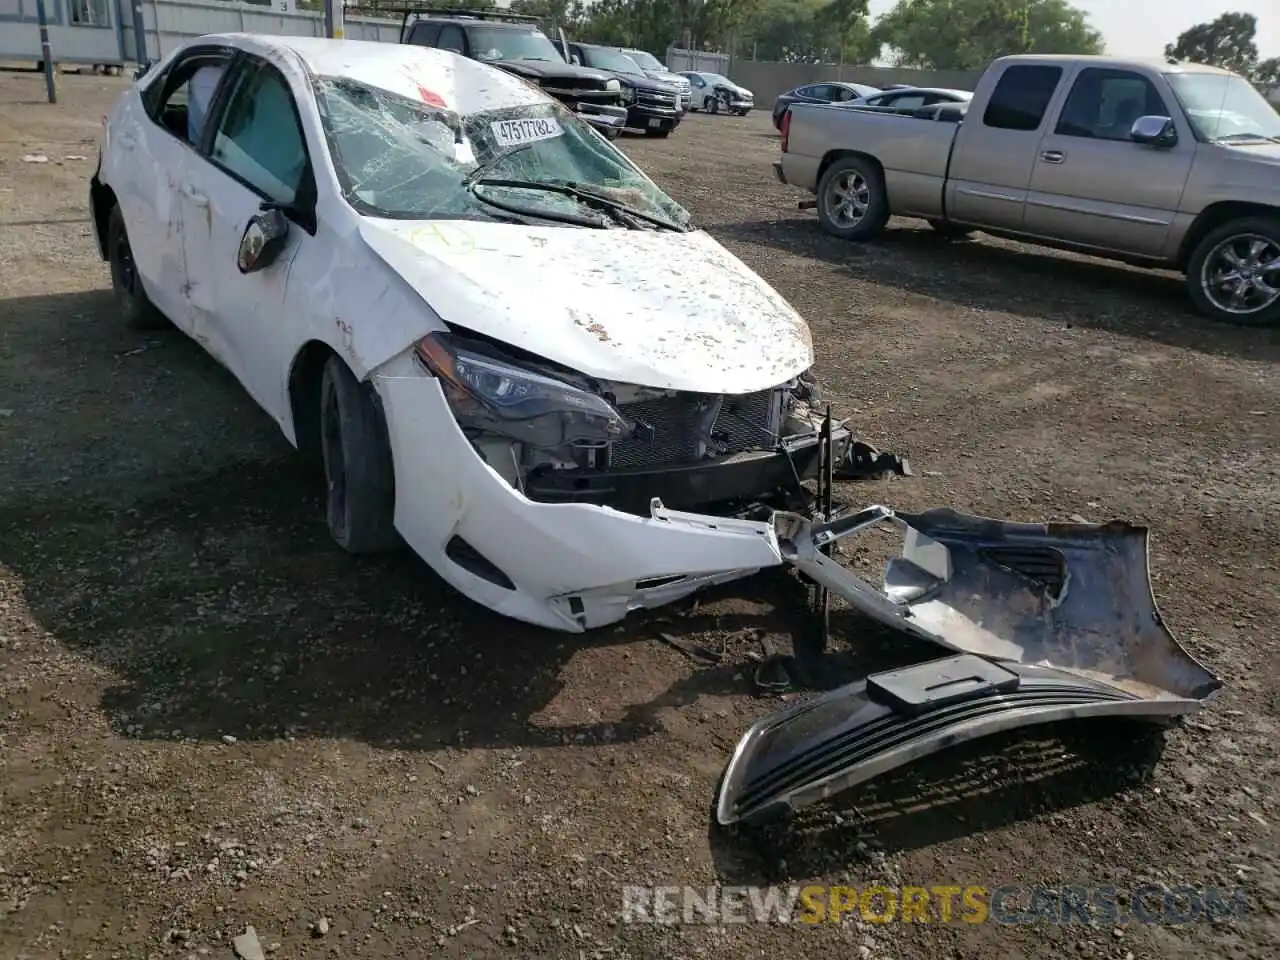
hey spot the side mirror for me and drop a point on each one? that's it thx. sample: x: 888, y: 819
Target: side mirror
x: 263, y: 240
x: 1154, y: 131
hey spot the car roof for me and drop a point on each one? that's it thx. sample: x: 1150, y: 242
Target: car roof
x: 413, y: 71
x: 476, y: 21
x: 1115, y: 63
x: 946, y: 90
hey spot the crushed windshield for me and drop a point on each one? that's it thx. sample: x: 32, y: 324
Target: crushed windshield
x: 490, y: 44
x: 615, y: 60
x: 646, y: 61
x: 404, y: 159
x: 1223, y: 106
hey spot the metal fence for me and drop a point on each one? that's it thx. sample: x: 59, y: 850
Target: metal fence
x: 679, y: 59
x: 101, y: 31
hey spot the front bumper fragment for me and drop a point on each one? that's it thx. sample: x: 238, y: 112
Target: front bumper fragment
x: 1052, y: 622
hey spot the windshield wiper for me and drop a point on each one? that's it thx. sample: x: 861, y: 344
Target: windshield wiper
x: 483, y: 168
x: 1246, y: 136
x: 619, y: 212
x: 619, y: 207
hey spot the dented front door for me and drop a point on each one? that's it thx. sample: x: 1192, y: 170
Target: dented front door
x: 256, y: 159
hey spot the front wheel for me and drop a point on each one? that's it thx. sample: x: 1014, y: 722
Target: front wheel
x: 359, y: 473
x: 852, y: 201
x: 1234, y: 273
x: 711, y: 104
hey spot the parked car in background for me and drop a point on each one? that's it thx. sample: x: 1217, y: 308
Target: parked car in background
x: 909, y: 98
x: 1166, y: 165
x: 657, y: 70
x: 826, y: 92
x: 652, y: 106
x: 716, y: 94
x: 516, y: 45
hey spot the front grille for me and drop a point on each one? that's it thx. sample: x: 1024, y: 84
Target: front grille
x: 745, y: 422
x: 578, y: 89
x: 651, y: 99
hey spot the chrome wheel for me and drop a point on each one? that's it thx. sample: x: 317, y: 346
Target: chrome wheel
x: 1241, y: 275
x: 848, y: 198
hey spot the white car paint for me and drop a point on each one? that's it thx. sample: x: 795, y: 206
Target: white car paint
x: 651, y: 309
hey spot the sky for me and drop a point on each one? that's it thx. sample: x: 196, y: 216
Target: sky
x: 1141, y: 28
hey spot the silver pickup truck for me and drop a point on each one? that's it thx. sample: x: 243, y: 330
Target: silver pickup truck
x: 1157, y: 164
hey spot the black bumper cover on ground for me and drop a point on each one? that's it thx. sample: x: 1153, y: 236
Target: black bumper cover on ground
x: 1050, y: 622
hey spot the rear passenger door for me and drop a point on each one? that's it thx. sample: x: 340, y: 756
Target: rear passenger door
x: 995, y: 152
x: 1092, y: 184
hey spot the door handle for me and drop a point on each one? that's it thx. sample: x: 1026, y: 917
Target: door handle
x: 1053, y: 156
x: 194, y: 195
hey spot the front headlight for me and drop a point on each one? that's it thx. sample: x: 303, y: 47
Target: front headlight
x: 628, y: 94
x: 496, y: 396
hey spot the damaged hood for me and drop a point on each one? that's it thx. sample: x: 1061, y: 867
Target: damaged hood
x: 656, y: 309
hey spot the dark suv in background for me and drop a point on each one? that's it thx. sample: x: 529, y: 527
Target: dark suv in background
x: 652, y: 106
x: 515, y: 44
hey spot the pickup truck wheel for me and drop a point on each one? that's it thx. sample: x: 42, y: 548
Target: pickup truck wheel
x: 358, y: 470
x: 950, y: 231
x: 1234, y: 273
x: 711, y: 104
x: 126, y: 283
x: 852, y: 203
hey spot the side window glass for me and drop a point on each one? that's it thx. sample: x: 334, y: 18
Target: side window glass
x: 1021, y: 96
x: 822, y: 91
x: 1104, y: 103
x: 909, y: 102
x: 259, y: 140
x: 424, y: 34
x: 451, y: 38
x: 182, y: 101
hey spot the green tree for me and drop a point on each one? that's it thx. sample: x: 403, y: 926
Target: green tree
x: 969, y: 34
x: 1226, y: 42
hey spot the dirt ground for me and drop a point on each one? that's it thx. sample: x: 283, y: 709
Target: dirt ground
x: 211, y: 717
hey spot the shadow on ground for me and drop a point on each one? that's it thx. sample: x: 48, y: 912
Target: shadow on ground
x: 209, y: 586
x: 984, y: 275
x: 971, y: 789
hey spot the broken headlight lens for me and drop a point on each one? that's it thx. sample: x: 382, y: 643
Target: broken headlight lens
x: 496, y: 396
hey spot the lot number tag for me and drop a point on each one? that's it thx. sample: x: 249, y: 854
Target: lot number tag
x: 510, y: 133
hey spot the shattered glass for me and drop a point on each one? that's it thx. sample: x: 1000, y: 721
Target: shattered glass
x: 404, y: 159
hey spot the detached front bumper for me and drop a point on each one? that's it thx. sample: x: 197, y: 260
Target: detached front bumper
x: 1050, y: 622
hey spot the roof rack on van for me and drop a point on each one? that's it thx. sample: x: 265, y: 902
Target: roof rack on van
x: 419, y: 10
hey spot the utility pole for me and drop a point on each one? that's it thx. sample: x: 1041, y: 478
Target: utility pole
x: 334, y: 19
x: 46, y: 51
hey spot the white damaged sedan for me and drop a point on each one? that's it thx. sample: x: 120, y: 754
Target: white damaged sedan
x: 512, y: 349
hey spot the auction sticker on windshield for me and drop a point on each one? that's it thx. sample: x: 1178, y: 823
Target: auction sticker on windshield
x: 510, y: 133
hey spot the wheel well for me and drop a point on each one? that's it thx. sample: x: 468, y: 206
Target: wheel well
x: 102, y: 200
x: 833, y: 155
x: 305, y: 377
x: 1215, y: 216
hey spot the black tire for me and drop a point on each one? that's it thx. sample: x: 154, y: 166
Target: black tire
x: 126, y: 283
x: 660, y: 133
x: 360, y: 476
x: 864, y: 180
x: 1207, y: 260
x: 951, y: 231
x: 711, y: 104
